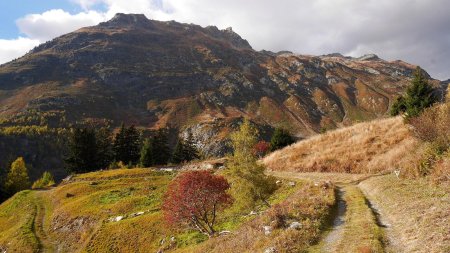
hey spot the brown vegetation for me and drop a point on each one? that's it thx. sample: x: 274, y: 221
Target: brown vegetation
x: 416, y: 212
x: 369, y: 147
x: 309, y: 205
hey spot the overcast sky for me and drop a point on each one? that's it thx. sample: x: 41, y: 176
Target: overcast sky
x: 416, y: 31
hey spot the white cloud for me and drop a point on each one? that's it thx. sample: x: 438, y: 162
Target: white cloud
x: 53, y: 23
x: 411, y: 30
x: 11, y: 49
x: 86, y: 4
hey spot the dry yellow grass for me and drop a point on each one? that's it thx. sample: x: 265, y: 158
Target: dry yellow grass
x: 370, y: 147
x: 417, y: 212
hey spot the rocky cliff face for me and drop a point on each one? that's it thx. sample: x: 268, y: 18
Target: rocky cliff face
x: 156, y: 74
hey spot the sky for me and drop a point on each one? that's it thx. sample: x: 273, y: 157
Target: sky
x: 416, y: 31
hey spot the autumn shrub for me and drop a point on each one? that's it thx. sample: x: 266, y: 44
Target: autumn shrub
x: 193, y: 200
x: 433, y: 126
x: 261, y: 148
x: 278, y: 215
x: 45, y: 181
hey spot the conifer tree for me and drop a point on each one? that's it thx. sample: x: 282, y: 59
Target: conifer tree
x: 190, y: 151
x: 280, y: 139
x: 249, y: 184
x: 419, y: 95
x: 134, y: 145
x: 17, y: 178
x: 82, y: 156
x: 120, y: 145
x: 127, y: 145
x: 104, y: 148
x: 147, y: 159
x: 184, y: 151
x: 178, y: 155
x: 161, y: 150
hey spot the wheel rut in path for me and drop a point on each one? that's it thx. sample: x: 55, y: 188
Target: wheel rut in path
x: 45, y: 245
x: 356, y: 224
x: 335, y: 234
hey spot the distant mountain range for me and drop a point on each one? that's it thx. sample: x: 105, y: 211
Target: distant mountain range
x: 200, y: 80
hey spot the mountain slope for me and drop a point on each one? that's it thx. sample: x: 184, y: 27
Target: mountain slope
x: 199, y: 80
x: 155, y: 73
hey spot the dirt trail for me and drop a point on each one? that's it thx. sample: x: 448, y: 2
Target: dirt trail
x: 45, y: 244
x: 358, y: 225
x: 335, y: 234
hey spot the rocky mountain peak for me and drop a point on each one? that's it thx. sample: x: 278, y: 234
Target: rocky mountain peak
x: 127, y: 20
x: 369, y: 57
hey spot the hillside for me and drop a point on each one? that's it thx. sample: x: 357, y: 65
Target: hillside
x: 119, y: 211
x: 193, y: 79
x: 388, y: 204
x: 377, y: 146
x: 338, y: 210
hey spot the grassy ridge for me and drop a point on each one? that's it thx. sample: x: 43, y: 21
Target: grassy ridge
x: 369, y: 147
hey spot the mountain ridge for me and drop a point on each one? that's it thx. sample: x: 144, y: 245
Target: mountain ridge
x: 197, y: 80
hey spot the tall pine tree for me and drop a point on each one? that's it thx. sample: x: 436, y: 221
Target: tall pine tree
x: 82, y: 156
x: 419, y: 95
x: 127, y: 145
x: 178, y: 155
x: 184, y: 151
x: 104, y: 147
x: 147, y: 158
x: 161, y: 151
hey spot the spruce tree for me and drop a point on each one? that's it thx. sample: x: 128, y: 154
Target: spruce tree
x: 120, y: 145
x: 178, y: 155
x: 147, y: 159
x: 104, y: 148
x: 190, y: 151
x: 280, y: 139
x: 82, y: 151
x: 184, y: 151
x: 419, y: 95
x: 161, y: 150
x: 17, y: 178
x: 133, y: 138
x: 127, y: 145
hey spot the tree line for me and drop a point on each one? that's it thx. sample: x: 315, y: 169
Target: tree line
x: 92, y: 149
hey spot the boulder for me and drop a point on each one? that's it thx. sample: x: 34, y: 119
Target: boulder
x: 292, y: 184
x: 270, y: 250
x: 118, y: 218
x: 267, y: 230
x: 295, y: 225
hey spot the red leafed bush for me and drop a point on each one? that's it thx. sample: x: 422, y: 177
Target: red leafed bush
x: 261, y: 148
x: 194, y: 198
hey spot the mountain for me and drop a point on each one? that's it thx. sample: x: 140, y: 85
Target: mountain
x: 195, y: 79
